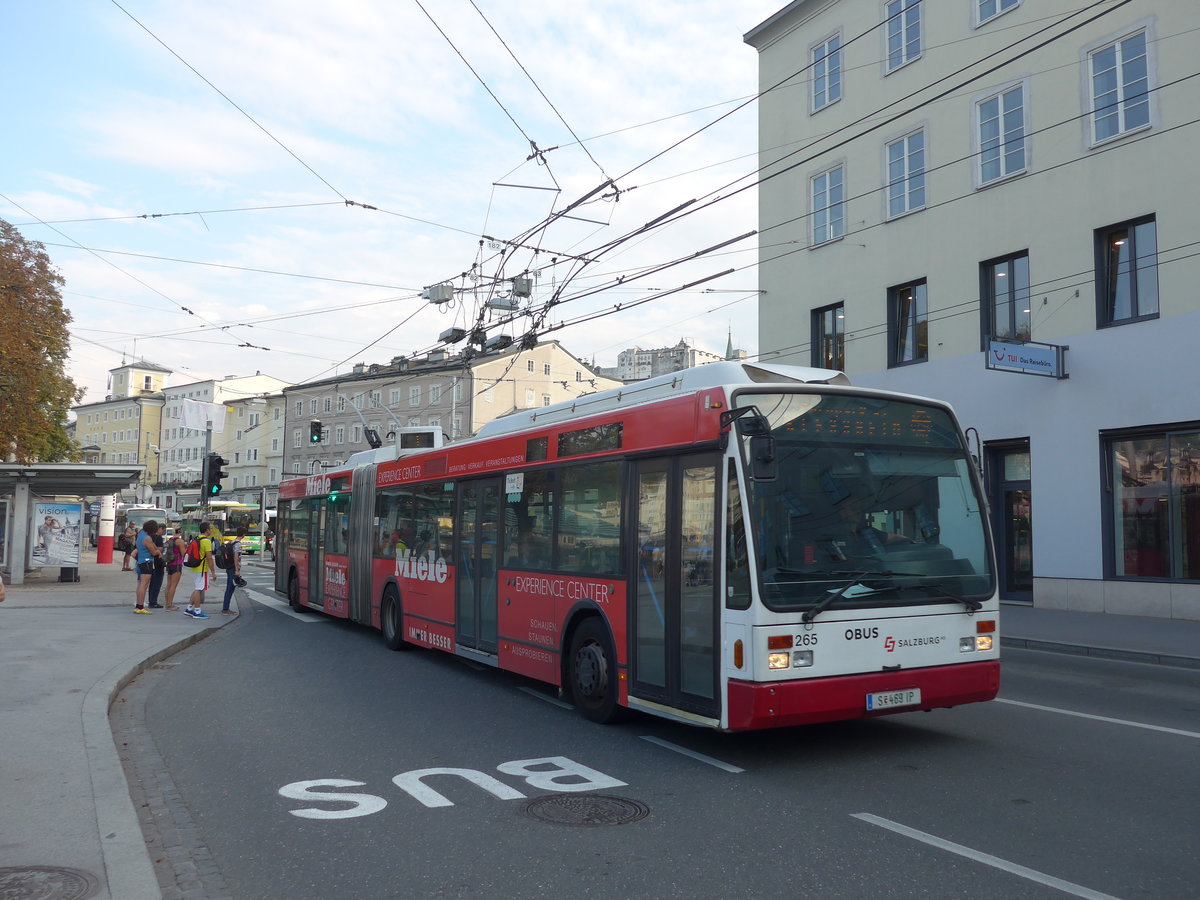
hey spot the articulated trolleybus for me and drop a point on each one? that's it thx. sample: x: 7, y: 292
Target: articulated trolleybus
x: 736, y: 546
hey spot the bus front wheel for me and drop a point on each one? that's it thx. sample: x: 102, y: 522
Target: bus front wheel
x: 593, y: 672
x: 390, y: 620
x: 294, y: 594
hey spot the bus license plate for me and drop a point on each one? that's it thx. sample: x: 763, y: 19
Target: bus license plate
x: 892, y: 699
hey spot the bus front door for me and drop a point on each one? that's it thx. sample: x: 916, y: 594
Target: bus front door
x: 674, y: 589
x: 476, y: 555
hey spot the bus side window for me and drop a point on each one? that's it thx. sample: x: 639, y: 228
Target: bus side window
x: 528, y: 523
x: 737, y: 558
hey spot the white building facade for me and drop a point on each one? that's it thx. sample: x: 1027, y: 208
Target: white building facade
x: 958, y: 180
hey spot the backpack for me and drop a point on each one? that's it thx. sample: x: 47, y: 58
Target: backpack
x: 223, y: 555
x: 192, y: 558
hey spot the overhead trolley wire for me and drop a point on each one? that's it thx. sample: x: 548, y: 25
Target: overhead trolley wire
x: 232, y: 103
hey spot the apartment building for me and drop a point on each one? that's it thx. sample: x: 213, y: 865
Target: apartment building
x: 456, y: 392
x: 991, y: 202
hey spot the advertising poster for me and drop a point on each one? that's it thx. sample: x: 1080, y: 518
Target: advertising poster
x: 55, y: 533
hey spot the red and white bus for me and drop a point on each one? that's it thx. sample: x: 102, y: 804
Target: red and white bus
x: 736, y: 546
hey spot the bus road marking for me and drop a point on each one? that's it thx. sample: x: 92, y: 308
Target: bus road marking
x: 693, y: 754
x: 282, y: 606
x: 985, y: 858
x: 1111, y: 721
x: 554, y: 701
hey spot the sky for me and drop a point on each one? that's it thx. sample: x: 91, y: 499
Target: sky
x: 232, y: 187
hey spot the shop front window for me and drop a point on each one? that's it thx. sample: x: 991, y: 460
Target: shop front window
x: 1156, y: 505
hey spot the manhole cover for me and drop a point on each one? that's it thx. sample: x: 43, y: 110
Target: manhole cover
x: 585, y: 809
x: 46, y: 883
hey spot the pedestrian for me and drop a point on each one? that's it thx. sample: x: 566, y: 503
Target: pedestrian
x: 175, y: 550
x: 125, y: 544
x: 234, y: 573
x: 147, y: 551
x: 202, y: 572
x: 271, y: 543
x: 1, y: 590
x: 160, y: 567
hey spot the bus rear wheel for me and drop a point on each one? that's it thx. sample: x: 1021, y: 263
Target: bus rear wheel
x: 592, y: 672
x: 391, y: 622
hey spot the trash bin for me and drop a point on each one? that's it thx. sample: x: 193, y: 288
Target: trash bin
x: 68, y: 574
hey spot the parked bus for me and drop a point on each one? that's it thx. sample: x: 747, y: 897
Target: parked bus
x: 736, y: 546
x: 227, y: 515
x: 137, y: 514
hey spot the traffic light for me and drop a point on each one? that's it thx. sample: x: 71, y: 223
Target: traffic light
x: 213, y: 475
x: 314, y: 431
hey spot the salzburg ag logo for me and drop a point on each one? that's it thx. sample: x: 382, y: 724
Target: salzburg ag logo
x: 889, y: 643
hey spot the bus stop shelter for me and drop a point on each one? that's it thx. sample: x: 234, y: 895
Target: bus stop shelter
x: 19, y: 484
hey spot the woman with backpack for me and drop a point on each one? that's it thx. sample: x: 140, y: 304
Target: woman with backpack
x: 176, y: 547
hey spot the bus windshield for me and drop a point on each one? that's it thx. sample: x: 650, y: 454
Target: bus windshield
x: 872, y: 504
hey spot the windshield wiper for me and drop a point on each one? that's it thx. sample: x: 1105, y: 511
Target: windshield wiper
x: 809, y: 614
x: 938, y: 591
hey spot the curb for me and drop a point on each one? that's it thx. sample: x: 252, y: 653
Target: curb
x: 128, y: 869
x: 1156, y: 659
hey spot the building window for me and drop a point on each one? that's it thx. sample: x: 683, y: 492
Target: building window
x: 414, y: 396
x: 986, y: 10
x: 1120, y: 83
x: 908, y: 324
x: 1127, y: 272
x: 394, y: 397
x: 1004, y: 285
x: 529, y: 365
x: 1001, y: 134
x: 829, y: 338
x: 827, y: 73
x: 903, y: 32
x: 376, y: 400
x: 339, y: 434
x: 1155, y: 504
x: 328, y: 404
x: 528, y: 398
x: 341, y: 403
x: 312, y: 406
x: 906, y: 174
x: 299, y: 408
x: 435, y: 393
x: 296, y: 438
x: 545, y: 368
x: 828, y: 205
x: 545, y: 399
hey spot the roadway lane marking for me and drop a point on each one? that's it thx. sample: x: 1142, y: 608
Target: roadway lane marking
x: 692, y: 753
x: 553, y: 701
x: 985, y: 858
x: 281, y: 606
x: 1080, y: 715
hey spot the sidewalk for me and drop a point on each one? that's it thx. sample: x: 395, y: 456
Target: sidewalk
x: 68, y: 649
x: 1167, y: 642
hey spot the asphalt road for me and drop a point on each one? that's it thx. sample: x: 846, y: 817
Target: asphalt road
x: 1081, y: 781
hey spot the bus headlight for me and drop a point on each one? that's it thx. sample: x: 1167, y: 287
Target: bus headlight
x: 966, y: 645
x: 802, y: 658
x: 779, y: 661
x: 983, y: 642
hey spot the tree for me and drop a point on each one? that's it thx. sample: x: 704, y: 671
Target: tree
x: 35, y: 392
